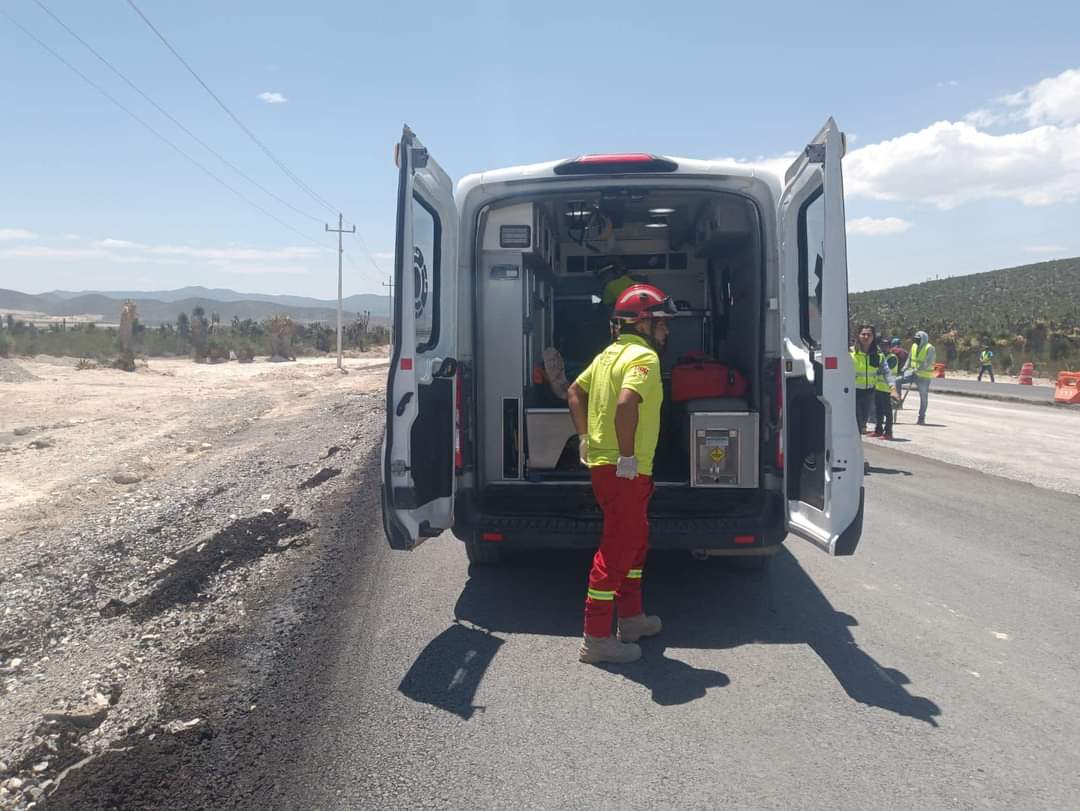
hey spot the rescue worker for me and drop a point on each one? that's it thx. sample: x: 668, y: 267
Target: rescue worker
x: 884, y: 384
x: 615, y: 279
x: 986, y: 362
x: 921, y: 370
x: 867, y: 360
x: 615, y: 406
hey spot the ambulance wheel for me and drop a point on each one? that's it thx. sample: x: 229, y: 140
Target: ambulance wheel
x: 482, y: 553
x: 752, y: 563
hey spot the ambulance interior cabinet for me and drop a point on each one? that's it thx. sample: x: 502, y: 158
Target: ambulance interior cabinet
x: 723, y: 449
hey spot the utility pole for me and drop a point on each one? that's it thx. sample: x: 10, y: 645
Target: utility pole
x: 340, y: 251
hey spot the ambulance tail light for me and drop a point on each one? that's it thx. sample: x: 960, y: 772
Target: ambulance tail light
x: 616, y: 164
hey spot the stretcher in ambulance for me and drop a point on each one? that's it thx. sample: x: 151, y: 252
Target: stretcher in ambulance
x: 500, y: 302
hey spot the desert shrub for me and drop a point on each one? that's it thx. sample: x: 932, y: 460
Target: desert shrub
x: 217, y: 349
x: 245, y: 352
x: 7, y: 345
x: 281, y: 330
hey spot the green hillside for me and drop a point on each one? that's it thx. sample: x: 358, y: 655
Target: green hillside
x: 1030, y: 313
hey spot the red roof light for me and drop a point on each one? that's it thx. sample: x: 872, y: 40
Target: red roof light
x: 615, y: 163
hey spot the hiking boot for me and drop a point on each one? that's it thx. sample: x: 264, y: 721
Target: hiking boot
x: 878, y: 434
x: 888, y: 437
x: 921, y: 421
x: 632, y: 629
x: 597, y: 649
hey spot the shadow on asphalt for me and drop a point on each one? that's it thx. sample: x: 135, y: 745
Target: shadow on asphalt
x: 886, y: 471
x: 704, y: 604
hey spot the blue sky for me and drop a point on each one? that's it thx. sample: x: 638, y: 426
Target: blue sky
x: 965, y: 117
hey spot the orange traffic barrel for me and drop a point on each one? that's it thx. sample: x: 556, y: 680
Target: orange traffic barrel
x: 939, y: 370
x: 1068, y: 388
x: 1026, y: 371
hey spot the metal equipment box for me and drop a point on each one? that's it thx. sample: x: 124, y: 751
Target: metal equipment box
x: 723, y: 449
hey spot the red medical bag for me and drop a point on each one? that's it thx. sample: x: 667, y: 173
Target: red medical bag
x: 696, y: 376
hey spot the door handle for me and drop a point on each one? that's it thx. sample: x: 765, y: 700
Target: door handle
x: 400, y: 410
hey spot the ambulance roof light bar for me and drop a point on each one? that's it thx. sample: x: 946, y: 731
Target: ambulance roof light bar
x: 615, y: 164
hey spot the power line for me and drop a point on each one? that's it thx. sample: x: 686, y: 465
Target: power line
x: 266, y: 150
x: 357, y: 268
x: 173, y: 119
x: 157, y: 134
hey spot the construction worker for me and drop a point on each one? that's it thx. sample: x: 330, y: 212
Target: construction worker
x: 867, y: 360
x: 920, y: 369
x: 884, y: 385
x: 986, y: 362
x: 615, y: 406
x: 896, y: 348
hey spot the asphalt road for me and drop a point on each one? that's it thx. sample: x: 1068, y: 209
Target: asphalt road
x: 937, y: 668
x: 984, y: 388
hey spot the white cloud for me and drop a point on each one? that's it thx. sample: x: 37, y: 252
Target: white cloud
x: 953, y: 162
x: 1044, y: 248
x: 950, y: 163
x: 1051, y: 101
x: 949, y: 83
x: 877, y: 227
x: 230, y: 267
x: 71, y: 237
x: 272, y: 98
x: 16, y: 234
x: 229, y: 259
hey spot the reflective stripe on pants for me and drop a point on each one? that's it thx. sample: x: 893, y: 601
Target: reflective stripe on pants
x: 615, y: 577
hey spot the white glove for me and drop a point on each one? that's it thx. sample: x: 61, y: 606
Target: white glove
x: 583, y: 449
x: 627, y: 467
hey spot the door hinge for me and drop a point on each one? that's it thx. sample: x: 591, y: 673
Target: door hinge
x: 399, y: 468
x: 815, y: 153
x: 418, y: 157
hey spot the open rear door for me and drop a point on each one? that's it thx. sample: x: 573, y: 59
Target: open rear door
x: 824, y: 456
x: 418, y: 451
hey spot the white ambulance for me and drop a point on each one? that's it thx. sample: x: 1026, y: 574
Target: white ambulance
x: 499, y: 301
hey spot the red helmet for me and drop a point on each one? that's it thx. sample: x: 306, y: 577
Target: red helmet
x: 643, y: 301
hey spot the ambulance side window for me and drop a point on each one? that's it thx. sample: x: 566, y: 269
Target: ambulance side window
x: 811, y: 265
x: 427, y: 238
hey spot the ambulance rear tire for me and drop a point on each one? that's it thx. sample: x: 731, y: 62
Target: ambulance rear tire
x: 482, y: 553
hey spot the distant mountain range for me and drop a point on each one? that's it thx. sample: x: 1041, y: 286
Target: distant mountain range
x: 160, y: 306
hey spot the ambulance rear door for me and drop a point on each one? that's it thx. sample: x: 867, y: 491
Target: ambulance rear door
x: 418, y: 449
x: 823, y: 455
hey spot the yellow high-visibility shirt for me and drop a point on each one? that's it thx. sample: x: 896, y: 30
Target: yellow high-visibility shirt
x: 629, y: 363
x: 613, y: 288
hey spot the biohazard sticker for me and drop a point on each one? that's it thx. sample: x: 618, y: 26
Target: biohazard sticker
x: 718, y: 455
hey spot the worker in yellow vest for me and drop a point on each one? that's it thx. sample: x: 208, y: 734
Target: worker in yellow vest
x: 883, y: 396
x: 920, y: 369
x: 986, y: 362
x: 867, y: 359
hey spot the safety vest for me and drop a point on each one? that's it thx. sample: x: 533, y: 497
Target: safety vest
x: 918, y: 356
x: 882, y: 383
x: 986, y: 356
x: 864, y: 372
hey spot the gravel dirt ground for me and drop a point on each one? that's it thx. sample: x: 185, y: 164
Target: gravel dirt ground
x: 144, y: 519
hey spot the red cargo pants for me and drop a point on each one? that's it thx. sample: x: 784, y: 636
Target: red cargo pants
x: 615, y: 577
